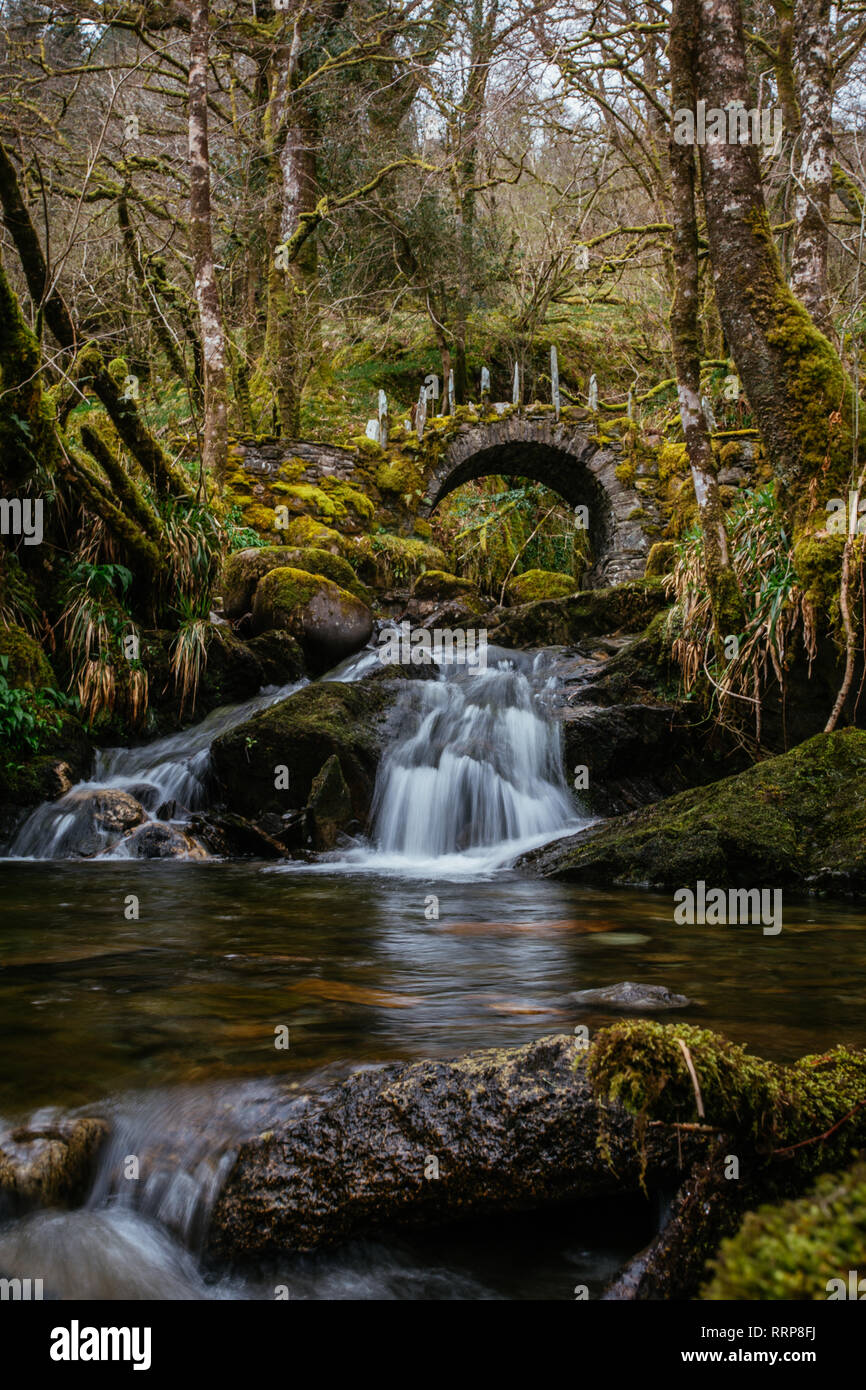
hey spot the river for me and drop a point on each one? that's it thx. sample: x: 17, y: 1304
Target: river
x: 421, y: 943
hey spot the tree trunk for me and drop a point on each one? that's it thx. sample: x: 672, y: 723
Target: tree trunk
x: 815, y: 178
x: 796, y: 385
x: 215, y: 443
x: 722, y: 584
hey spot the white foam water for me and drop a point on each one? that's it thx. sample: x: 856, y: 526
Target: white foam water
x: 474, y: 778
x: 173, y: 769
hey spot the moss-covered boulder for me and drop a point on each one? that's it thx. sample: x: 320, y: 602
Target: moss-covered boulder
x: 327, y: 621
x: 242, y: 572
x: 533, y: 585
x: 383, y: 560
x: 812, y: 1248
x: 440, y: 586
x: 245, y: 568
x: 798, y: 819
x: 661, y: 559
x: 270, y: 762
x: 26, y: 666
x: 305, y: 531
x: 549, y: 622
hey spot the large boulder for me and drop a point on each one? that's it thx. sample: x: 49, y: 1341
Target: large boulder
x: 507, y: 1129
x: 327, y: 621
x: 245, y: 568
x: 798, y: 819
x: 574, y: 618
x: 300, y: 734
x: 535, y: 585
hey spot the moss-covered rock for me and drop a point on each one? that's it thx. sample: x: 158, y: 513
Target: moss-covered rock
x: 279, y: 656
x: 802, y: 1249
x: 798, y: 819
x: 330, y: 804
x: 300, y: 734
x: 590, y: 613
x: 534, y: 585
x: 439, y: 585
x: 383, y: 560
x: 661, y: 559
x: 245, y: 568
x: 27, y: 667
x: 305, y: 531
x: 328, y: 622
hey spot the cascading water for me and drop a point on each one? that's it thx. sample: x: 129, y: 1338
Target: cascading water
x: 169, y: 774
x: 476, y: 775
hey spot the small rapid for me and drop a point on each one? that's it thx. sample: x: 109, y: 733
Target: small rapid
x: 168, y: 778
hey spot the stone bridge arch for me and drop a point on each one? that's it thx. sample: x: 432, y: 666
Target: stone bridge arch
x: 570, y: 462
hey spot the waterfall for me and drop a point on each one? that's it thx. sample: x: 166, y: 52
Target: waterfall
x: 169, y: 774
x: 475, y: 776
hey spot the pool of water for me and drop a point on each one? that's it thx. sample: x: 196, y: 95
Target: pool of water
x: 166, y: 1024
x: 92, y: 1003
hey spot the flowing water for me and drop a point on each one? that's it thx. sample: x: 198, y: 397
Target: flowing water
x: 421, y: 943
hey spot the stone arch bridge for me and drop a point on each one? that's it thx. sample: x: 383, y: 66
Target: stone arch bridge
x: 565, y: 455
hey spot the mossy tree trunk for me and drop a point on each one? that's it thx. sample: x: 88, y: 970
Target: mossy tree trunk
x: 795, y: 382
x: 727, y: 605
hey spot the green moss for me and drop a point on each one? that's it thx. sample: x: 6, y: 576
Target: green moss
x: 818, y: 562
x: 794, y: 1250
x: 673, y: 461
x: 27, y: 665
x: 533, y: 585
x: 333, y: 567
x: 400, y: 475
x: 440, y: 585
x: 791, y: 820
x: 765, y: 1106
x: 661, y: 559
x: 305, y: 531
x: 283, y: 590
x: 730, y: 452
x: 261, y: 519
x: 383, y: 559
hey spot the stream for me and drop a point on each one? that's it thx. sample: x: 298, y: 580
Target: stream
x: 421, y: 942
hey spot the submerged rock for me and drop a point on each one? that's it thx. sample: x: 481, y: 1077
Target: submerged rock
x: 49, y: 1164
x: 629, y: 996
x: 798, y: 819
x: 158, y: 841
x: 433, y: 1141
